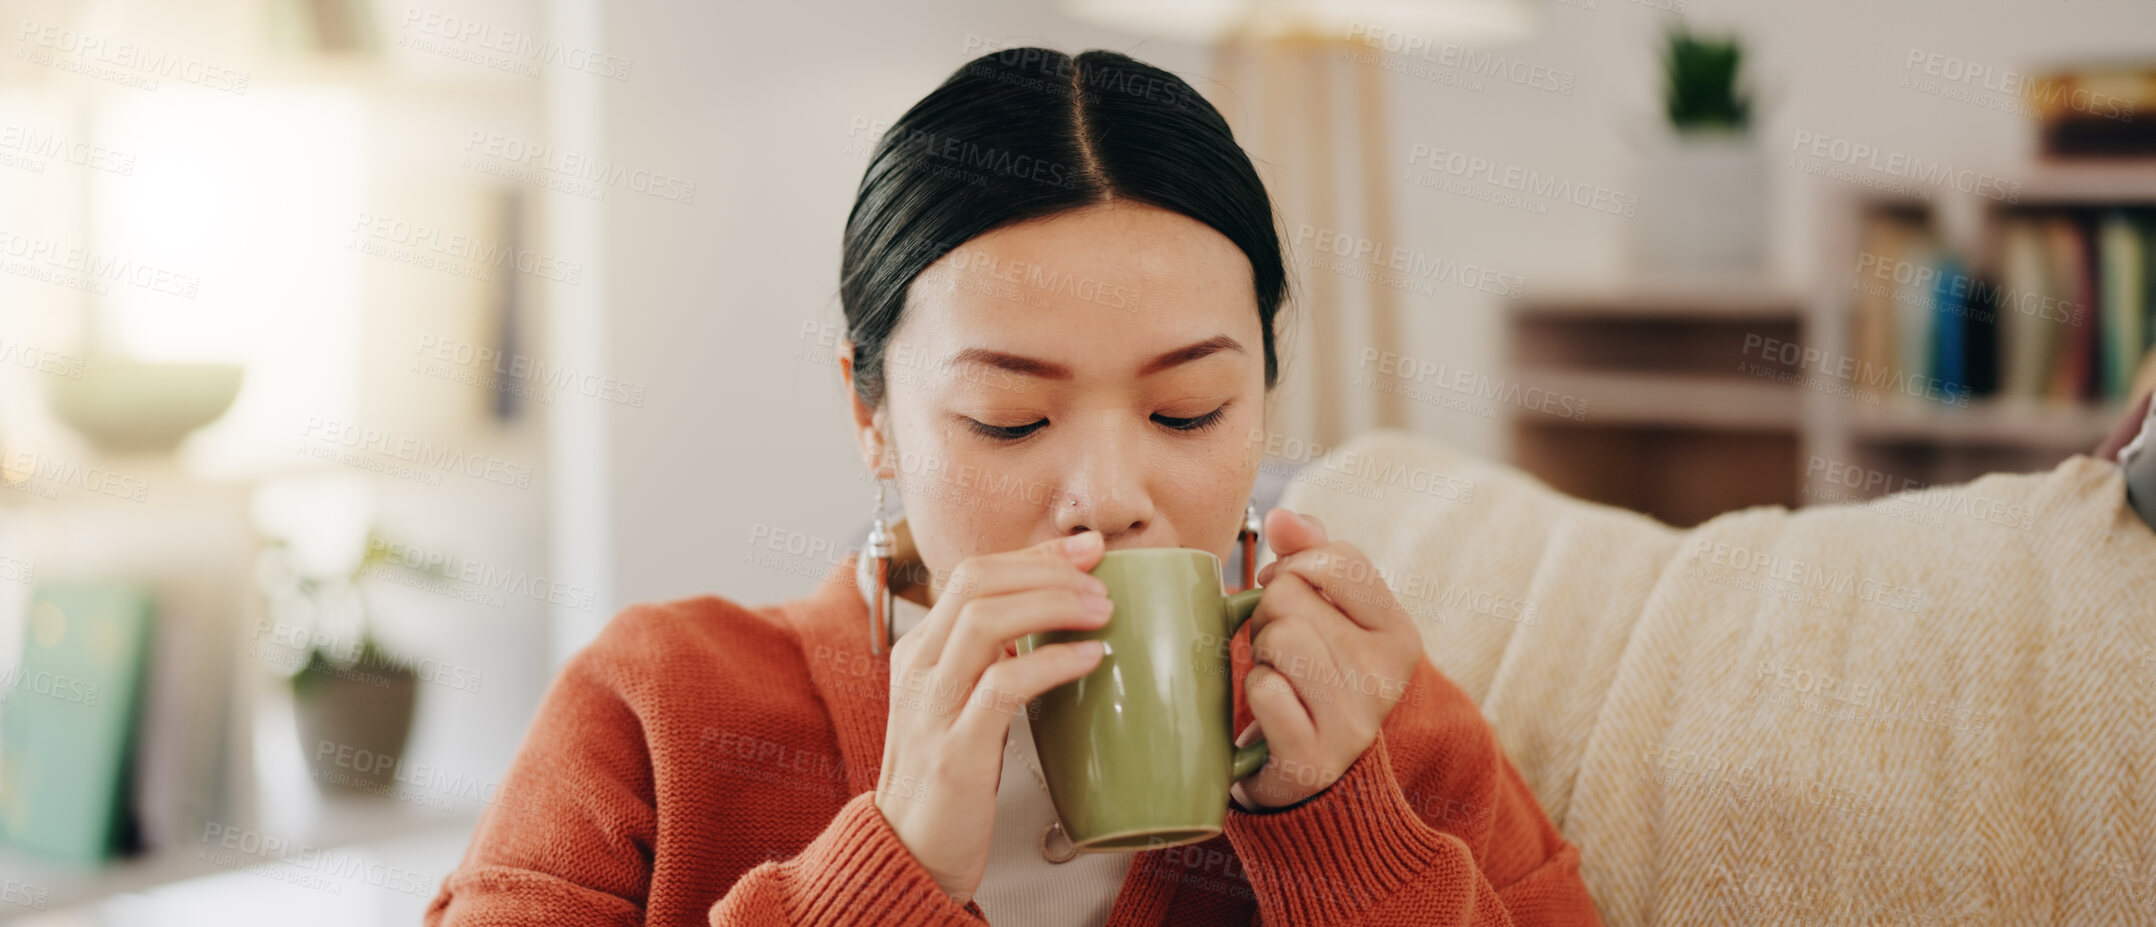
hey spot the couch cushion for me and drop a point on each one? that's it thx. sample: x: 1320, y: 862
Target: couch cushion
x: 1930, y: 707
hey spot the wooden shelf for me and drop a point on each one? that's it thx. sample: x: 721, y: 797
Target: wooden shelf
x: 2095, y: 184
x: 2037, y: 426
x: 1709, y: 402
x: 1669, y: 423
x: 1675, y: 426
x: 1651, y: 298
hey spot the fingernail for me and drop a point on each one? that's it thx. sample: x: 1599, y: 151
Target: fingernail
x: 1082, y: 543
x: 1099, y: 606
x: 1087, y: 650
x: 1314, y: 522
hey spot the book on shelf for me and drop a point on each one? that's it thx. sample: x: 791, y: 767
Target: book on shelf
x: 2123, y: 284
x: 1913, y: 314
x: 1950, y: 315
x: 2029, y: 323
x: 2068, y: 245
x: 67, y: 730
x: 1887, y: 240
x: 2064, y: 310
x: 2096, y: 110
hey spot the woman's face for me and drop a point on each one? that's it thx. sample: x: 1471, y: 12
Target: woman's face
x: 1101, y: 368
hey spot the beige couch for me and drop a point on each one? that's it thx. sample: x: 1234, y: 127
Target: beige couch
x: 1931, y: 709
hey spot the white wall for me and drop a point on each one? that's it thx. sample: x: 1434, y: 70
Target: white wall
x: 707, y: 302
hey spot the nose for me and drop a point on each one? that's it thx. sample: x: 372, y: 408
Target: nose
x: 1105, y: 491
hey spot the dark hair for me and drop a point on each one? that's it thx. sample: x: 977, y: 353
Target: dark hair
x: 1025, y: 133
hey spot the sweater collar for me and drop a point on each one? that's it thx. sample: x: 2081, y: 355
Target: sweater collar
x: 855, y: 685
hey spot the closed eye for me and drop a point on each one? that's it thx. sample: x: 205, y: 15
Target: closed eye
x: 1200, y: 423
x: 1005, y: 432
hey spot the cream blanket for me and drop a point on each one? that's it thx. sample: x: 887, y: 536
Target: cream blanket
x: 1934, y: 708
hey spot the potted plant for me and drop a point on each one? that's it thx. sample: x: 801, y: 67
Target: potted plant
x: 1703, y: 191
x: 353, y: 701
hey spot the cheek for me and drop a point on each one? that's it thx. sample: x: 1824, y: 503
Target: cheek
x: 961, y: 501
x: 1204, y: 494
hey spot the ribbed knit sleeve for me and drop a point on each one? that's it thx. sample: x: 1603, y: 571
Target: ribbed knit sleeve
x: 855, y: 872
x: 1432, y: 825
x: 569, y: 840
x: 680, y: 772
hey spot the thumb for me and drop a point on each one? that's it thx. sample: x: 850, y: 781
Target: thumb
x: 1082, y: 550
x: 1287, y: 532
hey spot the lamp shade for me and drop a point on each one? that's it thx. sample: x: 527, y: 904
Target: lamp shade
x: 1204, y: 21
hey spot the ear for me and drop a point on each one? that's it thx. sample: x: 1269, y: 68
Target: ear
x: 867, y: 432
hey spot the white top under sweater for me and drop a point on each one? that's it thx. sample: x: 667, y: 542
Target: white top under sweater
x: 1020, y: 888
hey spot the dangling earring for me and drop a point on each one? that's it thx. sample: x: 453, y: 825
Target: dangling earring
x: 879, y: 551
x: 1248, y: 537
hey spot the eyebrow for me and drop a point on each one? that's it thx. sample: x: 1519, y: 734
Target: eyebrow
x: 1035, y: 367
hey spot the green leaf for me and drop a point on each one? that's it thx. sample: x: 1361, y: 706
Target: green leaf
x: 1700, y: 83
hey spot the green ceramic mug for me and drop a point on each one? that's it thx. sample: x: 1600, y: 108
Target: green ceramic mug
x: 1140, y: 752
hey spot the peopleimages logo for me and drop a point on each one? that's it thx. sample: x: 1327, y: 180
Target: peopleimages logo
x: 53, y: 685
x: 528, y: 370
x: 351, y: 444
x: 523, y: 50
x: 1453, y: 55
x: 1950, y: 71
x: 27, y: 467
x: 1038, y: 278
x: 468, y: 255
x: 24, y: 894
x: 30, y: 357
x: 88, y: 270
x: 332, y: 870
x: 959, y: 157
x: 579, y: 166
x: 129, y: 63
x: 1416, y: 269
x: 485, y: 576
x: 1512, y: 178
x: 1918, y: 280
x: 1847, y: 153
x: 22, y: 138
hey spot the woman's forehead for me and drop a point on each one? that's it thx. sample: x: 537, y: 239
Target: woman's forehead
x: 1127, y: 272
x: 1122, y: 243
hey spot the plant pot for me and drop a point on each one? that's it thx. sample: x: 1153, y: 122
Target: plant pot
x: 353, y: 722
x: 1702, y: 205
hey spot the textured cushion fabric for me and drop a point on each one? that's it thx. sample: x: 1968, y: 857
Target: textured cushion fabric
x: 1931, y: 708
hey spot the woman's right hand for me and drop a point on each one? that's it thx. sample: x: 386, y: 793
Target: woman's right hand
x: 955, y: 688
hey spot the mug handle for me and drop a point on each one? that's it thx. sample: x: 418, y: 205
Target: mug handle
x: 1240, y: 607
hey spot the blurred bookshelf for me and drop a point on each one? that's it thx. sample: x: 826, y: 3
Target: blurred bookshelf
x: 2052, y: 330
x: 1943, y: 335
x: 1671, y: 426
x: 1925, y: 353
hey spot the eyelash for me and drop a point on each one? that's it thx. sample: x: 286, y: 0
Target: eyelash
x: 1008, y: 433
x: 1201, y: 423
x: 1005, y: 432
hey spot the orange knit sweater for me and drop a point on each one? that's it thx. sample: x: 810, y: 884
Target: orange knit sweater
x: 702, y: 762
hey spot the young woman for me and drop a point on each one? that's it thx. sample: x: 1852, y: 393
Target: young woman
x: 1061, y: 282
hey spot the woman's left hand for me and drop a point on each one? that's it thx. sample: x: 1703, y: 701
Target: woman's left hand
x: 1334, y: 653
